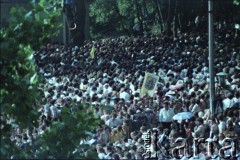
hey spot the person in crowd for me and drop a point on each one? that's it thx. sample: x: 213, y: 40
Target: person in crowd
x: 165, y: 115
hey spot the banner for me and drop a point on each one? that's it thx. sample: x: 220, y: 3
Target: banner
x: 149, y: 84
x: 92, y: 51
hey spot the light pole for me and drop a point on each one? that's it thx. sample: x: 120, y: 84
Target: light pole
x: 211, y: 57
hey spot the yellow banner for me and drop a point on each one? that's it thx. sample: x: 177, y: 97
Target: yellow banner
x: 149, y: 84
x: 92, y: 51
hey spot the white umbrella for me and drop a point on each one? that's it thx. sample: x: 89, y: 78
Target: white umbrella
x: 182, y: 116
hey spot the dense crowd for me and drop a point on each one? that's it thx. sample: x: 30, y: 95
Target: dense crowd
x: 111, y: 83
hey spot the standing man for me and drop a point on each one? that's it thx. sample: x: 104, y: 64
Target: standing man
x: 165, y: 115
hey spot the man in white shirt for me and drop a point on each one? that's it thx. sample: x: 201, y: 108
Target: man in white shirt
x: 222, y: 125
x: 125, y: 95
x: 106, y: 90
x: 113, y: 122
x: 228, y: 102
x: 165, y: 115
x: 236, y: 97
x: 101, y: 153
x: 54, y: 111
x: 46, y: 110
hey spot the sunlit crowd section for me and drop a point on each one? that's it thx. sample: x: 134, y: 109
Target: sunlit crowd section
x: 110, y: 83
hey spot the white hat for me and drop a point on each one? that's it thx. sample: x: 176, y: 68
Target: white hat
x: 119, y: 145
x: 199, y: 76
x: 152, y: 61
x: 147, y: 109
x: 200, y: 114
x: 138, y: 111
x: 179, y: 82
x: 170, y: 72
x: 104, y: 74
x: 91, y: 80
x: 183, y: 53
x: 83, y: 87
x: 205, y: 68
x: 170, y: 92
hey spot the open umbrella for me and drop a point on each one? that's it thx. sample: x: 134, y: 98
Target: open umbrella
x: 183, y: 116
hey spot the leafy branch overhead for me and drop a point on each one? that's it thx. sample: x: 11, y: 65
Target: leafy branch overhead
x: 27, y: 31
x: 154, y: 16
x: 65, y: 136
x: 237, y: 2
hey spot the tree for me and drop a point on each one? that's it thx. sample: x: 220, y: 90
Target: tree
x: 77, y: 15
x: 26, y: 32
x: 157, y: 15
x: 62, y: 139
x: 28, y: 29
x: 19, y: 81
x: 122, y: 14
x: 237, y: 2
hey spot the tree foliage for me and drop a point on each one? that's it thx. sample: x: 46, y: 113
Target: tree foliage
x: 62, y: 139
x: 237, y: 2
x: 167, y: 15
x: 29, y: 29
x: 103, y: 11
x: 26, y: 32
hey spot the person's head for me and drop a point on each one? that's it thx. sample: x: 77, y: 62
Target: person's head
x: 100, y: 149
x: 229, y: 125
x: 114, y: 131
x: 199, y: 121
x: 221, y: 136
x: 128, y: 155
x: 114, y: 116
x: 220, y: 117
x: 108, y: 149
x: 166, y: 104
x: 133, y: 135
x: 119, y: 128
x: 143, y: 129
x: 139, y: 156
x: 115, y: 156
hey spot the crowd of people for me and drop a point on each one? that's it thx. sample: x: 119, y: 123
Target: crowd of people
x: 111, y: 83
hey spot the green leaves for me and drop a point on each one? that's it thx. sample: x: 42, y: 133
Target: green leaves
x: 61, y: 139
x: 237, y: 2
x: 125, y: 7
x: 18, y: 89
x: 121, y: 14
x: 103, y: 11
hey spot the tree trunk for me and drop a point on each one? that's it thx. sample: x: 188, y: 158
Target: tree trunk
x: 78, y: 35
x: 159, y: 12
x: 87, y: 21
x: 171, y: 8
x: 139, y: 17
x: 175, y: 19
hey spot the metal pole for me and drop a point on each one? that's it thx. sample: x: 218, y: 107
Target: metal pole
x: 211, y: 57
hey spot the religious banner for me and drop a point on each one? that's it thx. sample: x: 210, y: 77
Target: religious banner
x: 149, y: 84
